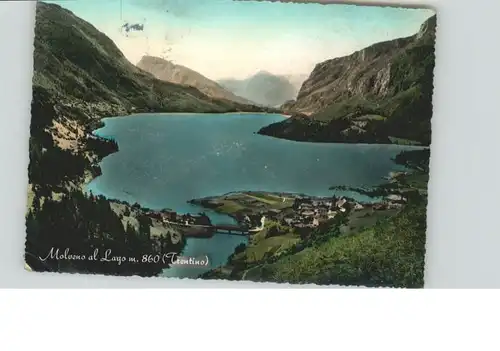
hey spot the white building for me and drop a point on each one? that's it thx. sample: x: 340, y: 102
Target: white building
x: 340, y: 203
x: 358, y: 206
x: 331, y: 214
x: 395, y: 197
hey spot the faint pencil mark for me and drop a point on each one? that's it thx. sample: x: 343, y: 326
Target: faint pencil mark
x: 136, y: 27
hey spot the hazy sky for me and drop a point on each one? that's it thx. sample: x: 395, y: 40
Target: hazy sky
x: 235, y: 39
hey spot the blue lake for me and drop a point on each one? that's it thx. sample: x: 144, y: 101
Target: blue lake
x: 167, y: 159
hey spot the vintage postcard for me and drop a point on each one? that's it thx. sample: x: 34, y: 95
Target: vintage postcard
x: 240, y: 140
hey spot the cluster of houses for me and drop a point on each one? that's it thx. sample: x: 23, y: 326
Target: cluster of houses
x: 169, y: 217
x: 305, y: 213
x: 309, y: 213
x: 391, y: 202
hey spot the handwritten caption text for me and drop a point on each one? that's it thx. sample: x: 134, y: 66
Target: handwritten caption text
x: 171, y: 258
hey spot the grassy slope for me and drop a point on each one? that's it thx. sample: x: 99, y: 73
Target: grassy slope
x: 265, y: 243
x: 235, y: 204
x: 390, y: 253
x: 366, y: 247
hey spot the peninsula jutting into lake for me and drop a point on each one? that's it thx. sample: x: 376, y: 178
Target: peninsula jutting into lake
x: 300, y: 165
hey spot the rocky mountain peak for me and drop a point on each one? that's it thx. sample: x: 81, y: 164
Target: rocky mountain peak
x: 177, y: 74
x: 428, y: 27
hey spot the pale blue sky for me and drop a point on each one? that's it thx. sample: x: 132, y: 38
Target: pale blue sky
x: 225, y: 38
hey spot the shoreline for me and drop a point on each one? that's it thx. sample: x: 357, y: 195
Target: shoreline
x: 263, y: 192
x: 339, y: 143
x: 160, y: 114
x: 283, y: 240
x: 246, y: 210
x: 96, y: 163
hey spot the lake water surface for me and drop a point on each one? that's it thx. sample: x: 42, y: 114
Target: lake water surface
x: 167, y: 159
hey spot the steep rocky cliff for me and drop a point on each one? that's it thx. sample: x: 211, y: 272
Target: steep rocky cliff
x: 382, y: 93
x: 170, y: 72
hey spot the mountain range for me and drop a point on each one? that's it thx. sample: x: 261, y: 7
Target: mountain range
x: 265, y: 88
x: 381, y: 94
x: 80, y: 76
x: 296, y: 80
x: 178, y: 74
x: 80, y: 65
